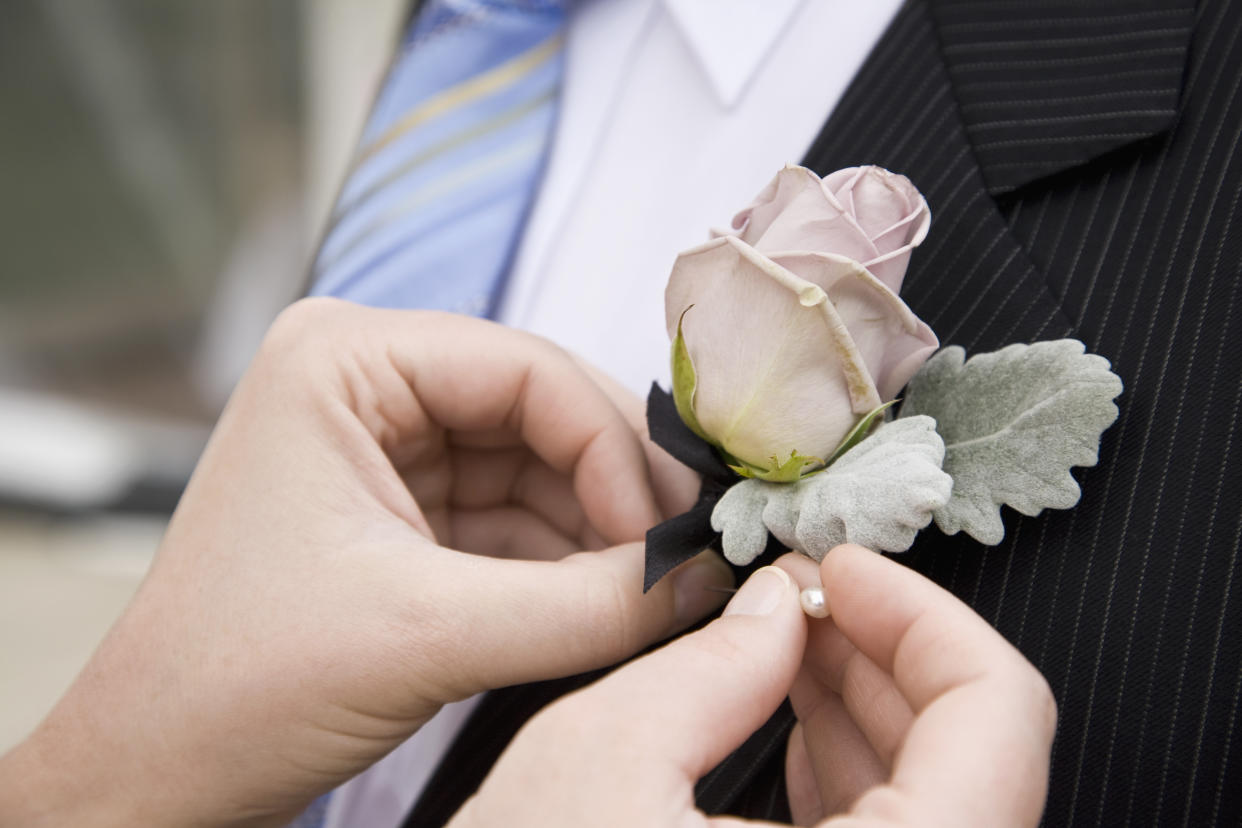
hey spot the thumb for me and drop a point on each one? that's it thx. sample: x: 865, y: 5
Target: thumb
x: 688, y: 705
x: 521, y: 621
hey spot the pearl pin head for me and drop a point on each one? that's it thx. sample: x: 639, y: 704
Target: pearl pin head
x: 813, y: 602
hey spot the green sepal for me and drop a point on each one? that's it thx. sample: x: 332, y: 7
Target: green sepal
x: 859, y: 432
x: 790, y: 471
x: 739, y: 466
x: 685, y: 381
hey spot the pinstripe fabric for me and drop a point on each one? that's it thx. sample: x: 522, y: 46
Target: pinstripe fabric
x: 1045, y: 86
x: 1130, y: 604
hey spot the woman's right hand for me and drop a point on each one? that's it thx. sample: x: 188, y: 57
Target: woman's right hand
x: 912, y: 711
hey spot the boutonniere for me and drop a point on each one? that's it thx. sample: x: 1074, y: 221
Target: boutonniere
x: 791, y: 348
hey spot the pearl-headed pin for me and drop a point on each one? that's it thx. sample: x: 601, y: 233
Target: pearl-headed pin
x: 813, y: 602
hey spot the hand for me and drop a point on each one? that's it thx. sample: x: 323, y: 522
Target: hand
x: 911, y: 709
x: 313, y: 602
x: 964, y: 723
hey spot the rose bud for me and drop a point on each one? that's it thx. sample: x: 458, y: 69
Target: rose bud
x: 788, y: 333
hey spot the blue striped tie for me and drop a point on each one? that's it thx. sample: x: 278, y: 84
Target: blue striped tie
x: 444, y: 175
x: 450, y: 159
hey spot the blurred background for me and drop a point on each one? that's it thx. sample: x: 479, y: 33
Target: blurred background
x: 165, y: 168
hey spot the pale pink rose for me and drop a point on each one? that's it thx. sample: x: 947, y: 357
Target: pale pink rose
x: 868, y: 214
x: 792, y: 336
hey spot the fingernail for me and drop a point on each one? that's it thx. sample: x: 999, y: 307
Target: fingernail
x: 697, y: 589
x: 761, y: 593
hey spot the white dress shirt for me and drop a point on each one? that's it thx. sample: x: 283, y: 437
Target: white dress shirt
x: 674, y: 115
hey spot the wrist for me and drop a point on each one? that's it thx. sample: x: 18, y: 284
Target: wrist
x: 45, y: 783
x: 39, y: 787
x: 76, y: 769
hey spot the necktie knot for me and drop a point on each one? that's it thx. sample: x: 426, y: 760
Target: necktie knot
x: 439, y: 15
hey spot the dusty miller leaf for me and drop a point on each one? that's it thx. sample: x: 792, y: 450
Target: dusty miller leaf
x: 879, y: 494
x: 1014, y: 423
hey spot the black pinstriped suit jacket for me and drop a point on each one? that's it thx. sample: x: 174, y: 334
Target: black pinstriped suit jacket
x: 1083, y: 163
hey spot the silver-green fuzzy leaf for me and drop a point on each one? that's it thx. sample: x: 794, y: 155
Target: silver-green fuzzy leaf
x: 1014, y: 423
x: 878, y: 494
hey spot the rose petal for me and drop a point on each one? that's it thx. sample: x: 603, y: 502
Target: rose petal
x: 795, y: 212
x: 790, y: 179
x: 893, y: 341
x: 877, y: 198
x: 891, y: 212
x: 770, y: 369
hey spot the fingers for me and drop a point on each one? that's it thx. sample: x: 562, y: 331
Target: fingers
x: 838, y: 751
x: 627, y: 749
x: 923, y: 635
x: 676, y: 486
x: 489, y: 376
x: 847, y: 731
x: 514, y: 478
x: 833, y: 665
x: 977, y: 750
x: 801, y: 781
x: 507, y: 622
x: 508, y: 532
x: 410, y: 376
x: 869, y: 695
x: 687, y: 706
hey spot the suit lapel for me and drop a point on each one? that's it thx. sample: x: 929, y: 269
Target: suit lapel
x: 1049, y: 85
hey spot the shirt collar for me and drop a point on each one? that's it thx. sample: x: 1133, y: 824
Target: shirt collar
x: 730, y: 38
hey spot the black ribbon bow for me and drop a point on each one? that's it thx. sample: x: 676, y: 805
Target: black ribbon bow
x: 679, y: 539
